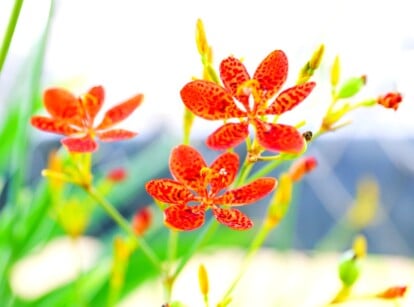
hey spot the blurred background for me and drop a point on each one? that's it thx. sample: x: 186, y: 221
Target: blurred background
x: 148, y: 47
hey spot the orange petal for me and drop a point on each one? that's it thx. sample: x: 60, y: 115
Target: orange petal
x: 169, y: 191
x: 183, y: 218
x: 233, y: 218
x: 93, y: 100
x: 116, y: 135
x: 62, y: 104
x: 233, y: 73
x: 247, y: 194
x: 52, y: 125
x: 279, y: 137
x: 209, y: 100
x: 185, y: 166
x: 225, y: 170
x: 121, y: 111
x: 272, y: 73
x: 290, y: 98
x: 85, y: 144
x: 227, y: 136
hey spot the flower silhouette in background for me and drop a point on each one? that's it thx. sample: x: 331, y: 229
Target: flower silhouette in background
x: 213, y: 102
x: 74, y: 117
x: 197, y: 188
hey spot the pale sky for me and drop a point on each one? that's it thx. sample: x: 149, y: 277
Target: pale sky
x: 148, y: 46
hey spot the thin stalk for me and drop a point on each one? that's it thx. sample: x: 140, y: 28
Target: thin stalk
x: 4, y: 50
x: 266, y: 169
x: 171, y: 255
x: 244, y: 173
x: 124, y: 224
x: 208, y: 231
x: 254, y: 247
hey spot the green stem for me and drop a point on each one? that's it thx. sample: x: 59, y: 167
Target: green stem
x: 124, y: 224
x: 244, y: 173
x: 208, y: 231
x: 254, y: 247
x: 171, y: 255
x: 266, y: 169
x: 10, y: 31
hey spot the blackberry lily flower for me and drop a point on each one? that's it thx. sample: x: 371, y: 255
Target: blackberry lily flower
x: 74, y: 117
x: 213, y: 102
x: 197, y: 187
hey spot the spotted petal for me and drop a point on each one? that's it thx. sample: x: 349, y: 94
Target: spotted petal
x: 225, y: 170
x: 116, y: 135
x: 290, y: 98
x: 209, y: 100
x: 233, y: 218
x: 227, y: 136
x: 121, y: 111
x: 85, y: 144
x: 272, y: 73
x: 279, y: 137
x: 185, y: 166
x: 233, y: 73
x: 93, y: 101
x: 247, y: 194
x: 53, y: 125
x: 169, y: 191
x: 62, y: 104
x: 183, y: 217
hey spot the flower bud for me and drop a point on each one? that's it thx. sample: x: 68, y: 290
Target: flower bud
x: 301, y: 167
x: 201, y: 39
x: 360, y: 246
x: 280, y: 202
x: 393, y: 292
x: 351, y: 87
x: 203, y: 280
x: 117, y: 174
x: 390, y: 100
x: 335, y: 71
x: 349, y: 269
x: 142, y: 220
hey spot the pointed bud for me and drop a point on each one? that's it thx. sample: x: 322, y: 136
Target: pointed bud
x: 335, y: 71
x: 188, y: 121
x: 309, y: 68
x: 390, y: 100
x: 301, y: 167
x: 203, y: 280
x: 360, y: 246
x: 393, y: 292
x: 281, y: 200
x: 317, y: 56
x: 142, y: 220
x: 55, y: 164
x: 349, y: 269
x: 73, y: 216
x: 365, y: 207
x: 201, y: 39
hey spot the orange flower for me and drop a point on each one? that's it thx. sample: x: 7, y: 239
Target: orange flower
x: 74, y: 117
x: 142, y: 220
x: 117, y: 174
x: 393, y: 292
x: 196, y: 189
x: 213, y: 102
x: 390, y: 100
x: 301, y: 167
